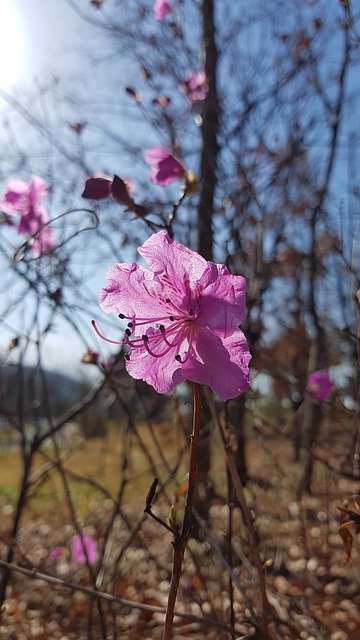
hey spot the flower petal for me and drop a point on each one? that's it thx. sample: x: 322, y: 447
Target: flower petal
x: 172, y: 261
x: 13, y: 199
x: 221, y: 364
x: 38, y: 189
x: 157, y: 154
x: 159, y: 372
x: 130, y: 290
x: 222, y: 300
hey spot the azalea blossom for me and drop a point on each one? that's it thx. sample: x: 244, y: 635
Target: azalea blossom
x: 182, y: 317
x: 84, y: 548
x: 319, y: 386
x: 161, y: 9
x: 195, y: 86
x: 26, y: 199
x: 165, y: 169
x: 55, y: 553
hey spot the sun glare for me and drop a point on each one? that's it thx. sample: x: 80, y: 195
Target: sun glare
x: 12, y: 45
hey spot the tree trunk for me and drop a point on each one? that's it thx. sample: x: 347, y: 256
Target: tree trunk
x: 208, y: 180
x: 209, y: 133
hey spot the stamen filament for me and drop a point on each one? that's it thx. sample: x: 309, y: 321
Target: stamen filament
x: 149, y: 320
x: 105, y: 338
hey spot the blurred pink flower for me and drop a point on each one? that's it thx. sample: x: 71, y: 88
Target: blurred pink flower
x: 183, y: 318
x: 161, y: 9
x: 55, y: 553
x: 195, y: 86
x: 26, y: 199
x: 319, y: 386
x: 164, y: 167
x: 84, y: 548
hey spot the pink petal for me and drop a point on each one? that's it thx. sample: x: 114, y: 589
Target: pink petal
x: 83, y: 548
x: 173, y: 261
x: 44, y: 241
x: 206, y: 364
x: 130, y: 290
x: 155, y: 155
x: 222, y: 301
x: 319, y: 386
x: 161, y: 9
x: 221, y: 364
x: 158, y: 372
x: 167, y: 171
x: 38, y: 189
x: 14, y: 196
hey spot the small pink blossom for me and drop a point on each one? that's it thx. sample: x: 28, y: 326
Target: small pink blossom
x: 55, y: 553
x: 161, y: 9
x: 195, y: 86
x: 84, y: 548
x: 26, y: 199
x: 183, y: 318
x: 319, y: 386
x: 165, y: 169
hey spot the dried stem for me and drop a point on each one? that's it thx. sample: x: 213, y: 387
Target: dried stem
x: 180, y: 537
x: 93, y: 593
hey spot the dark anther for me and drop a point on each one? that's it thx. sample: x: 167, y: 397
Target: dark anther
x: 145, y: 338
x: 162, y: 328
x: 130, y: 325
x: 178, y: 358
x: 172, y: 318
x: 128, y: 332
x: 127, y: 357
x: 167, y: 300
x: 191, y: 312
x: 121, y: 316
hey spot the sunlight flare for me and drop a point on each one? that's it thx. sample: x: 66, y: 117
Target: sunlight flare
x: 12, y: 45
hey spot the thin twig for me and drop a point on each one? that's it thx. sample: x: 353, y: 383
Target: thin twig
x: 180, y: 538
x: 37, y: 575
x: 248, y: 519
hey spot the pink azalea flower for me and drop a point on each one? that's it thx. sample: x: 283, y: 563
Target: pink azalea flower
x: 183, y: 318
x: 195, y: 86
x: 319, y: 386
x: 84, y: 548
x: 26, y: 199
x: 164, y: 167
x: 55, y: 553
x: 161, y: 9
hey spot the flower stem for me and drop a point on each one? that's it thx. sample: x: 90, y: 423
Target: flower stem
x: 180, y: 538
